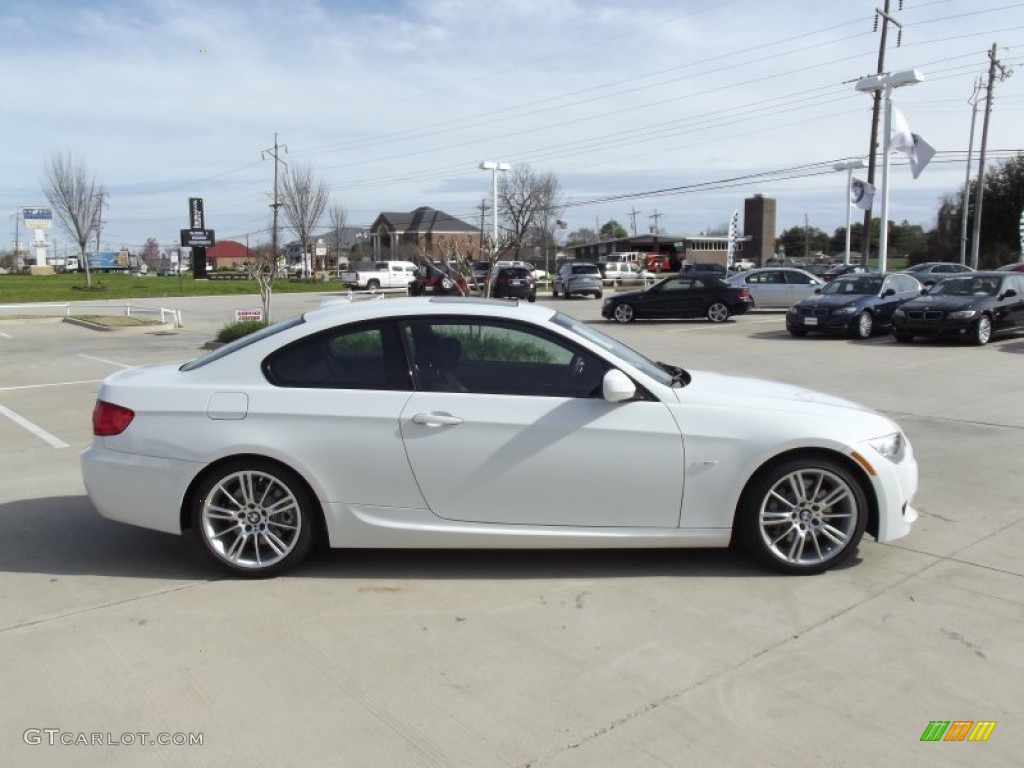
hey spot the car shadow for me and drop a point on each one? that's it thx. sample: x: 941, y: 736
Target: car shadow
x: 65, y: 536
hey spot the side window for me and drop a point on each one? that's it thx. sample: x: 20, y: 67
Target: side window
x: 797, y: 278
x: 360, y: 357
x: 498, y: 358
x: 678, y: 284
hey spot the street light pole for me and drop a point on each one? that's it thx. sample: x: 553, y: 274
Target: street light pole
x: 493, y: 166
x: 885, y: 83
x: 849, y: 166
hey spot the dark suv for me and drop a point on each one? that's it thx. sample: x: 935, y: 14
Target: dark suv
x: 513, y: 283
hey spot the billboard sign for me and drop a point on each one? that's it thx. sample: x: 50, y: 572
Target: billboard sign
x: 197, y: 238
x: 37, y: 218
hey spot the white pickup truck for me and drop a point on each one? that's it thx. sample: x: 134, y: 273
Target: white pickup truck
x: 374, y: 275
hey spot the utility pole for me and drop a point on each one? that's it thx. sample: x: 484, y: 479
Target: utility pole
x: 632, y: 215
x: 483, y: 213
x: 273, y: 152
x: 807, y: 237
x: 875, y: 109
x: 655, y: 216
x: 979, y: 195
x: 973, y: 101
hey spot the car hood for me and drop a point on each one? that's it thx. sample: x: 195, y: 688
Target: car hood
x: 708, y: 388
x: 947, y: 303
x: 832, y: 301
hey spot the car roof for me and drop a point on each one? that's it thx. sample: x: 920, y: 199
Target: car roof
x: 467, y: 306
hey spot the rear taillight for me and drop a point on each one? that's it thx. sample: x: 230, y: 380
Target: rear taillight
x: 109, y: 419
x: 744, y: 293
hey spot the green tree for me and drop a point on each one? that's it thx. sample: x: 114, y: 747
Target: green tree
x: 612, y: 230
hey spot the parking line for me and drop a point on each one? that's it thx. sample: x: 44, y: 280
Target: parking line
x: 35, y: 429
x: 108, y: 362
x: 56, y: 384
x: 6, y: 335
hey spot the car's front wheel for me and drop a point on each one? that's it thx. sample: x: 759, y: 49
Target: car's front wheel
x: 718, y: 312
x: 981, y: 331
x: 253, y: 518
x: 864, y: 325
x: 623, y: 313
x: 803, y: 516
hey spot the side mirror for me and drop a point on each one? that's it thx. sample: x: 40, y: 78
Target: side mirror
x: 889, y: 292
x: 924, y: 289
x: 617, y: 386
x: 817, y: 290
x: 1009, y: 293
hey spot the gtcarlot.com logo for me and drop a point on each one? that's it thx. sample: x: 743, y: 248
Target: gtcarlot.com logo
x: 55, y: 736
x: 958, y: 730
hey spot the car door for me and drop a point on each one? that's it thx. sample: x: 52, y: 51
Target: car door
x: 769, y: 288
x: 1012, y: 306
x: 673, y: 297
x: 521, y: 436
x: 798, y: 286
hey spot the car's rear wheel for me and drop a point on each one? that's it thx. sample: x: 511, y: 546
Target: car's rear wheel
x: 599, y: 294
x: 864, y: 326
x: 373, y: 285
x: 981, y: 331
x: 253, y: 518
x: 532, y: 298
x: 803, y: 516
x: 623, y: 313
x: 718, y: 312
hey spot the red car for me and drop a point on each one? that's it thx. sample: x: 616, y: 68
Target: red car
x: 437, y: 280
x: 1017, y: 266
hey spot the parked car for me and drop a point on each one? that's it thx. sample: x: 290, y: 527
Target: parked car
x: 704, y: 268
x: 777, y: 288
x: 401, y: 423
x: 434, y: 279
x: 579, y: 278
x: 1017, y: 266
x: 508, y: 282
x: 481, y: 269
x: 857, y: 305
x: 838, y: 270
x: 374, y: 275
x: 930, y: 272
x: 679, y: 296
x: 624, y: 273
x: 974, y: 306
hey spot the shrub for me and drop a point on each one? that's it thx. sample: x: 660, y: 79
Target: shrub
x: 233, y: 331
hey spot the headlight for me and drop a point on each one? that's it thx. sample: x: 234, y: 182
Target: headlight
x: 607, y: 302
x: 793, y: 310
x: 899, y: 313
x: 963, y: 314
x: 891, y: 446
x: 844, y: 311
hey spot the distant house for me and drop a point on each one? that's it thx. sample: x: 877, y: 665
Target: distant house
x: 423, y: 231
x: 227, y: 254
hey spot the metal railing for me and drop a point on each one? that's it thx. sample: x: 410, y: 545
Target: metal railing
x: 125, y: 308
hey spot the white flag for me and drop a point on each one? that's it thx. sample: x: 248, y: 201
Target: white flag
x: 917, y: 150
x: 861, y: 194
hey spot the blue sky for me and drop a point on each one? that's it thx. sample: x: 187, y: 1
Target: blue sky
x: 395, y: 103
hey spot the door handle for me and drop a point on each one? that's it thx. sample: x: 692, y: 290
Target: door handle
x: 436, y: 419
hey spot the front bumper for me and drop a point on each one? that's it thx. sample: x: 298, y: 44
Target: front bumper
x: 822, y: 323
x: 895, y: 485
x: 934, y: 328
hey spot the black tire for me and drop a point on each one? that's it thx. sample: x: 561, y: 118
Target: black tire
x: 777, y: 523
x: 372, y: 285
x: 718, y: 312
x: 554, y: 291
x: 981, y: 331
x: 598, y: 295
x: 902, y: 338
x: 864, y: 326
x: 242, y: 533
x: 798, y: 332
x: 532, y: 298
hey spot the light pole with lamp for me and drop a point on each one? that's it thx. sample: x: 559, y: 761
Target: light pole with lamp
x: 849, y: 166
x: 493, y: 166
x: 885, y: 83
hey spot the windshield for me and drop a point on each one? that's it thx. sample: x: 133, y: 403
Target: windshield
x: 855, y: 286
x: 617, y: 348
x: 967, y: 286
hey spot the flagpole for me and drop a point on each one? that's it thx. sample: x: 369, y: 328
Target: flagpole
x: 848, y: 166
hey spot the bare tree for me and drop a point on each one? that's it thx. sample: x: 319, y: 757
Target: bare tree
x: 304, y: 199
x: 77, y: 197
x: 150, y: 254
x: 263, y: 269
x: 338, y: 217
x: 530, y: 202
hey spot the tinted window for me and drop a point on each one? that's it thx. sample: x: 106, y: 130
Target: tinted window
x: 585, y: 269
x: 351, y: 357
x: 499, y: 358
x: 798, y: 278
x: 241, y: 343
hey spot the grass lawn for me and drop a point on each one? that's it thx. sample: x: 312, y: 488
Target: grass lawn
x: 24, y: 289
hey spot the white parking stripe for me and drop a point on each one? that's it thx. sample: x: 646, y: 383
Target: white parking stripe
x: 35, y: 429
x: 57, y: 384
x: 6, y: 335
x: 108, y: 362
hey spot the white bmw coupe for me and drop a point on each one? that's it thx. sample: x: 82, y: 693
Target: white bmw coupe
x: 462, y: 422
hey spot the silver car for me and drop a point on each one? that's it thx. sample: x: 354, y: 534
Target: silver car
x: 577, y: 277
x: 776, y: 287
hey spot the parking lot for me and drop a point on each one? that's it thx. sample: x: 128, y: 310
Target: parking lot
x: 614, y: 658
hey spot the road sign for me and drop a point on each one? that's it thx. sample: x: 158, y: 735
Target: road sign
x: 197, y: 238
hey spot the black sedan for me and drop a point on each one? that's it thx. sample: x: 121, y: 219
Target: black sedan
x: 976, y: 306
x: 680, y: 296
x: 856, y: 305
